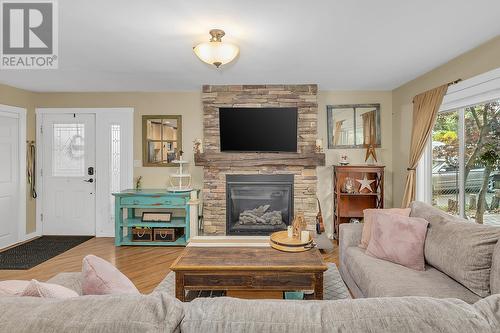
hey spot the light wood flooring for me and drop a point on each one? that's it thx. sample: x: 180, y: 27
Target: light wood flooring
x: 145, y: 266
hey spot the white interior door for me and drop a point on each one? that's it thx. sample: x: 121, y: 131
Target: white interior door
x: 68, y: 173
x: 9, y: 178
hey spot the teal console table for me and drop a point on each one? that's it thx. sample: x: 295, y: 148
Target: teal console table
x: 145, y: 199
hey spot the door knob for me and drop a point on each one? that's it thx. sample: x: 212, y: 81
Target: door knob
x: 90, y: 180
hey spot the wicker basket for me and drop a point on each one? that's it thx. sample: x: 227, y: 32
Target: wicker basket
x: 140, y: 234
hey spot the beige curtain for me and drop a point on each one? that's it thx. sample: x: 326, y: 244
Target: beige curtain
x: 336, y: 135
x: 368, y: 128
x: 425, y: 108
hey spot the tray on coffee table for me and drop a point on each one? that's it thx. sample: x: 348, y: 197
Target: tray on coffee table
x: 280, y: 241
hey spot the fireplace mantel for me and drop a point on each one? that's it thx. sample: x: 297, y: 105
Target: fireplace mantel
x: 259, y: 159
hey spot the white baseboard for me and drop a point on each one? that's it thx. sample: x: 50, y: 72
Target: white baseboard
x: 105, y: 234
x: 32, y: 235
x: 24, y: 239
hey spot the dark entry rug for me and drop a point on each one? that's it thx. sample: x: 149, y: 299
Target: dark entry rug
x: 30, y: 254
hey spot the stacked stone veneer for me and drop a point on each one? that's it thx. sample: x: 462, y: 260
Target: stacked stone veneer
x: 304, y: 97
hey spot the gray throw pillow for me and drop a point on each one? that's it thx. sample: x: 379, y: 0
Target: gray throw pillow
x: 463, y: 251
x: 495, y: 271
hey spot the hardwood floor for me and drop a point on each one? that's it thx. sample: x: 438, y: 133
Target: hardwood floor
x: 145, y: 266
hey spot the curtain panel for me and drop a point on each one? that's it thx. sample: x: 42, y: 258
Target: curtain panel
x: 425, y: 109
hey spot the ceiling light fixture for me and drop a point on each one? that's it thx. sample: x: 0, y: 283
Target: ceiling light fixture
x: 215, y: 52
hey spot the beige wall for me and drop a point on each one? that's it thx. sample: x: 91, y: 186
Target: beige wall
x: 187, y: 104
x: 395, y: 120
x: 477, y: 61
x: 357, y: 156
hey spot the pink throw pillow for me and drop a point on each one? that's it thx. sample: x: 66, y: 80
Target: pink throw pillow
x: 102, y: 278
x: 368, y: 216
x: 47, y: 290
x: 399, y: 239
x: 12, y: 287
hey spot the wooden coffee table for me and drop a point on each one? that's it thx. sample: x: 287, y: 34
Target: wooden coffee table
x: 248, y: 269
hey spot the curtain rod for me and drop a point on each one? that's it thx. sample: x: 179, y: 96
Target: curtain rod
x: 454, y: 82
x: 449, y: 84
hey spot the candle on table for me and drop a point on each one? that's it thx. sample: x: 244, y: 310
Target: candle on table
x: 304, y: 236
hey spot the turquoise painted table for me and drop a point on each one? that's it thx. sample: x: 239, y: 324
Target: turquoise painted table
x: 131, y: 200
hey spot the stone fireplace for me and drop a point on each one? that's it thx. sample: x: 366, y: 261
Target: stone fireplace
x: 258, y: 204
x: 220, y: 168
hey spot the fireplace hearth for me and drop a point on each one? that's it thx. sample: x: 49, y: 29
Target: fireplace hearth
x: 258, y: 204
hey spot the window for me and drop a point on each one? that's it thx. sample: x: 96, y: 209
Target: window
x: 68, y: 157
x: 114, y: 167
x: 459, y: 171
x: 466, y: 162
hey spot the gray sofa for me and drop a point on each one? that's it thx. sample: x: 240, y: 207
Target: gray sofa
x: 462, y: 261
x: 159, y: 312
x: 446, y: 312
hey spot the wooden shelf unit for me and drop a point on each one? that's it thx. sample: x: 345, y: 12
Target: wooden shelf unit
x: 351, y: 205
x: 130, y: 200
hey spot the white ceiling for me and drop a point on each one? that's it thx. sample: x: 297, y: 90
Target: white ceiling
x: 146, y: 45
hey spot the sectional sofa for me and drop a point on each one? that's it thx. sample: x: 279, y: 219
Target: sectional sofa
x: 159, y: 312
x: 462, y: 261
x: 391, y: 298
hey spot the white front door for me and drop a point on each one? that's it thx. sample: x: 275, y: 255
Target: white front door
x: 68, y: 173
x: 9, y: 178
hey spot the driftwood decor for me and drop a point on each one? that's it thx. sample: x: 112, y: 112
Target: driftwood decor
x: 298, y: 224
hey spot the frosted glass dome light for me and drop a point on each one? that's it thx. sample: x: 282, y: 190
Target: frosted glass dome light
x: 215, y: 52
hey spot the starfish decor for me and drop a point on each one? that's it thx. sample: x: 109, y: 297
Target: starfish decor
x: 365, y: 183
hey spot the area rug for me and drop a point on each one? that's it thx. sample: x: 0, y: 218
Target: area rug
x: 32, y: 253
x: 333, y: 286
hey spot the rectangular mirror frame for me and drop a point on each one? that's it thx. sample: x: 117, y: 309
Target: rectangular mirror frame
x: 145, y: 119
x: 329, y: 115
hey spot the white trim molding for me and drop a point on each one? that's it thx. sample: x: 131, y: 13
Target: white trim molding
x: 424, y: 175
x: 478, y: 89
x: 104, y: 117
x: 20, y: 113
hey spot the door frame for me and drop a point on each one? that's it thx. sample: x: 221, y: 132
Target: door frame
x: 100, y: 121
x: 20, y: 113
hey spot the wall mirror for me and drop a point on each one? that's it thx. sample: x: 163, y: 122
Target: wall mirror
x: 353, y: 125
x: 161, y: 140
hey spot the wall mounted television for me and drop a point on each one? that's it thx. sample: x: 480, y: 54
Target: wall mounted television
x: 258, y: 129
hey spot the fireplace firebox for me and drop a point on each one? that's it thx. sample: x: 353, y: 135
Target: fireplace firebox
x: 258, y: 204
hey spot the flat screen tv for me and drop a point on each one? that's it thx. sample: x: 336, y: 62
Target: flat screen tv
x: 258, y: 129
